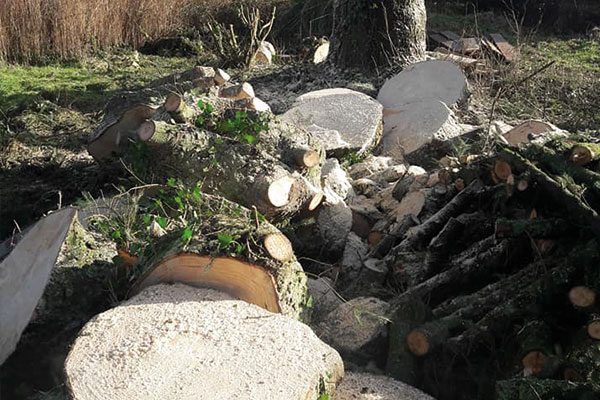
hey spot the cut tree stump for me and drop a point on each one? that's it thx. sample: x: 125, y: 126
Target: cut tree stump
x: 342, y: 120
x: 428, y: 80
x: 408, y: 127
x: 265, y: 272
x: 585, y: 153
x: 173, y: 342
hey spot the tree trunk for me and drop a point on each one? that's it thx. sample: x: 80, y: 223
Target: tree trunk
x: 369, y: 33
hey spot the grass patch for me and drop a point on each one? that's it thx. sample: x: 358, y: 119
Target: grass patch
x: 82, y: 85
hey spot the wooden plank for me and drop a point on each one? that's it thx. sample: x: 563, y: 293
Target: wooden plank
x: 509, y: 53
x: 24, y: 274
x: 440, y: 40
x: 451, y: 35
x: 469, y: 45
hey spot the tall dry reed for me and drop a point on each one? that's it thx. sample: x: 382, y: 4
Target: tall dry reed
x: 33, y: 29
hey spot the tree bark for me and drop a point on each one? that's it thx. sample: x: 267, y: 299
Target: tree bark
x: 369, y: 33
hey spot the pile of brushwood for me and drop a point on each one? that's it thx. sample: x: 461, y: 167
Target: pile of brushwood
x: 497, y: 289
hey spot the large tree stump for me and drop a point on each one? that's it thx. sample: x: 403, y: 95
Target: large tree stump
x: 229, y: 248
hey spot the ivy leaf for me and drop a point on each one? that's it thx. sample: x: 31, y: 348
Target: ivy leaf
x: 224, y: 239
x: 117, y: 234
x: 147, y: 219
x: 201, y: 104
x: 209, y: 108
x: 162, y: 222
x: 250, y: 139
x: 238, y: 248
x: 196, y: 194
x: 187, y: 234
x: 172, y: 182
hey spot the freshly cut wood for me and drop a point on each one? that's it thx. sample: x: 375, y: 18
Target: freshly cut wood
x: 279, y: 247
x: 585, y: 153
x: 536, y: 348
x: 411, y: 204
x: 502, y: 170
x: 266, y: 274
x: 176, y: 106
x: 424, y: 339
x: 306, y: 157
x: 237, y: 92
x: 263, y: 56
x: 342, y: 120
x: 254, y: 104
x: 365, y: 386
x: 25, y: 273
x: 114, y: 132
x: 173, y: 342
x: 428, y: 80
x: 240, y: 279
x: 527, y: 131
x: 408, y: 127
x: 582, y: 297
x: 321, y: 52
x: 221, y: 77
x: 509, y: 53
x: 154, y: 131
x: 593, y: 328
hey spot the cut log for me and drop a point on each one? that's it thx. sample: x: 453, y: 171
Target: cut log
x: 112, y: 136
x: 582, y: 297
x: 580, y: 212
x: 221, y: 77
x: 237, y: 92
x: 176, y: 106
x: 502, y: 170
x: 426, y: 338
x: 184, y: 342
x: 239, y: 172
x: 408, y: 127
x: 264, y: 271
x: 365, y: 386
x: 154, y: 132
x: 528, y: 131
x: 401, y: 363
x: 536, y: 347
x: 593, y: 328
x: 585, y: 153
x: 342, y: 120
x: 436, y: 80
x: 279, y: 247
x: 25, y: 273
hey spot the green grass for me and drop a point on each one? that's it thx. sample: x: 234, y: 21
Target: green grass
x: 579, y: 54
x: 81, y: 85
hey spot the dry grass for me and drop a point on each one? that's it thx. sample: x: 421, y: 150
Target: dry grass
x: 32, y: 29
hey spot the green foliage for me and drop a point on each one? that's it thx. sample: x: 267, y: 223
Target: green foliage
x: 324, y: 396
x: 243, y: 125
x: 206, y: 112
x: 352, y: 158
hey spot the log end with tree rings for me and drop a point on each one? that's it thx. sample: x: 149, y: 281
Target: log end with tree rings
x: 240, y: 279
x: 146, y: 131
x: 534, y: 362
x: 581, y: 155
x: 316, y: 201
x: 307, y: 158
x: 582, y: 297
x: 279, y: 247
x: 502, y: 170
x: 418, y: 343
x: 593, y: 329
x: 279, y: 190
x: 173, y: 103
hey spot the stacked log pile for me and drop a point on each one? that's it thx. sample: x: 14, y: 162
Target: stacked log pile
x: 494, y: 286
